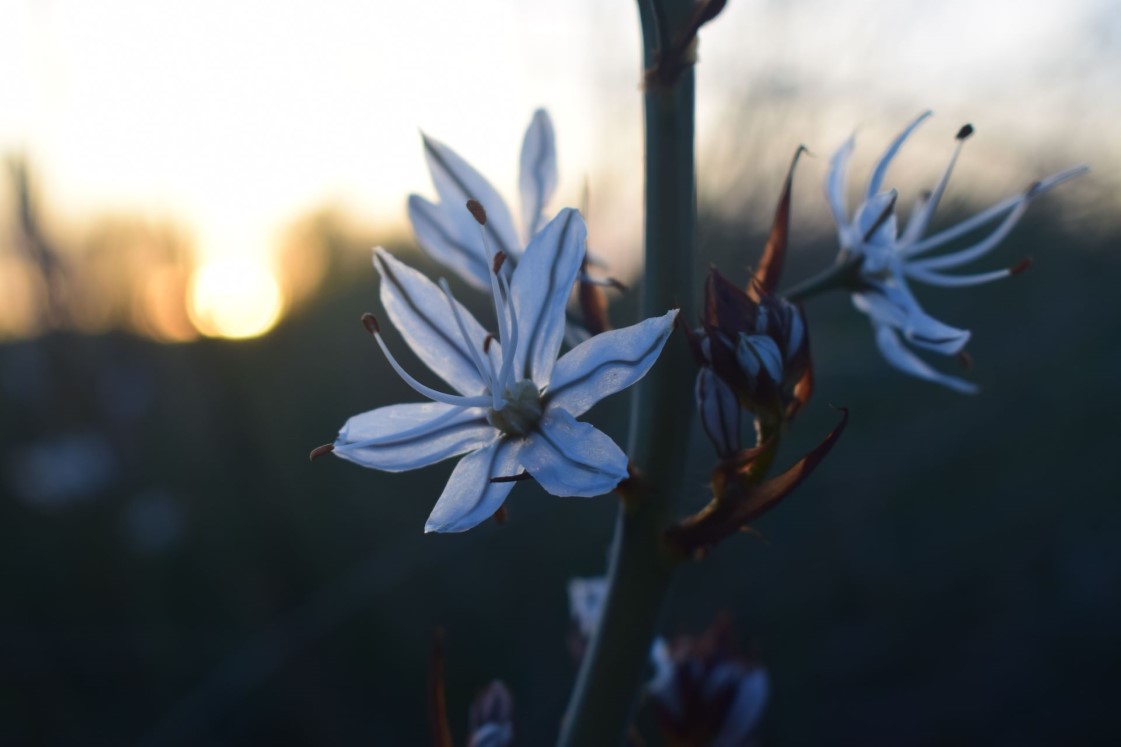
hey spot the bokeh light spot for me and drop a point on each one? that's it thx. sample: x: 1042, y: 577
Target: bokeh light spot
x: 234, y: 298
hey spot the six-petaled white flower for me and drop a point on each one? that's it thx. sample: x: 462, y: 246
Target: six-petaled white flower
x: 448, y: 233
x: 890, y: 258
x: 516, y: 403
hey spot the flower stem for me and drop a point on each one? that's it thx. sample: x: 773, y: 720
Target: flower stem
x: 641, y: 567
x: 843, y: 274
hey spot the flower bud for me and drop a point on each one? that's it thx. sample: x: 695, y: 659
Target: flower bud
x: 720, y: 413
x: 492, y: 717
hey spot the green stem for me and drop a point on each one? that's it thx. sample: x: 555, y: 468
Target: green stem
x: 843, y: 274
x: 611, y: 676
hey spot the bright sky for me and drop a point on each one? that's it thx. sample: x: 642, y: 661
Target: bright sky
x: 233, y: 117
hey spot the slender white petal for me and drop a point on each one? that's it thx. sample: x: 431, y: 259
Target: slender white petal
x: 896, y: 307
x: 978, y: 250
x: 404, y: 437
x: 422, y: 315
x: 539, y: 292
x: 607, y: 363
x: 470, y: 497
x: 570, y: 458
x: 440, y: 237
x: 969, y: 224
x: 456, y: 182
x: 882, y: 165
x: 746, y: 708
x: 893, y: 350
x: 835, y: 182
x: 954, y: 281
x: 719, y: 411
x: 537, y: 179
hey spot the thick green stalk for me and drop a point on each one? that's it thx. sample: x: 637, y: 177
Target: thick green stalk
x: 610, y: 679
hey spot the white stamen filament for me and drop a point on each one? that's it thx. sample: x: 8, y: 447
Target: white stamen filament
x: 918, y: 224
x: 506, y: 377
x: 484, y: 371
x: 432, y: 394
x: 967, y: 225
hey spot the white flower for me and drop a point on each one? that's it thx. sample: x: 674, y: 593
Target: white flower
x: 516, y: 405
x: 449, y: 234
x: 891, y: 258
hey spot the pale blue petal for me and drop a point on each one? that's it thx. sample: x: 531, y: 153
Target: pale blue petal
x: 404, y: 437
x: 895, y: 306
x: 570, y: 458
x: 835, y: 182
x: 607, y: 363
x: 456, y: 182
x: 540, y: 289
x: 438, y: 235
x: 719, y: 411
x: 470, y: 497
x: 757, y: 354
x: 538, y: 176
x: 880, y: 170
x: 422, y: 315
x: 897, y: 354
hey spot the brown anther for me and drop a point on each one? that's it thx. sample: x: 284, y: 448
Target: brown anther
x: 512, y: 478
x: 966, y: 359
x: 319, y: 451
x: 965, y: 131
x: 1020, y: 266
x: 617, y: 285
x: 501, y: 515
x: 370, y: 322
x: 499, y: 259
x: 477, y: 211
x: 487, y: 341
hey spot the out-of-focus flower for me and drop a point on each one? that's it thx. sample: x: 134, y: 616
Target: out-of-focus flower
x: 517, y: 405
x: 585, y: 602
x: 889, y: 258
x: 63, y: 470
x: 706, y: 692
x: 450, y: 235
x: 492, y: 717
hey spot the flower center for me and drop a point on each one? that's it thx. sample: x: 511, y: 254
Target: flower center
x: 521, y: 411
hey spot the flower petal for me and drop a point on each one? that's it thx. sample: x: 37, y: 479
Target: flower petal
x: 719, y: 411
x: 570, y: 458
x: 746, y: 709
x: 607, y: 363
x: 538, y: 177
x: 835, y: 182
x: 403, y: 437
x: 423, y: 316
x: 470, y: 497
x: 456, y: 182
x: 880, y: 170
x: 439, y: 236
x: 540, y: 289
x: 893, y: 305
x: 897, y: 354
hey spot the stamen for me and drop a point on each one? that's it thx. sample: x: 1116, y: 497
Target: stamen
x: 510, y: 344
x: 954, y: 281
x: 477, y: 211
x: 1020, y: 266
x: 319, y: 451
x: 487, y: 341
x: 965, y: 131
x: 499, y: 258
x: 981, y: 248
x: 371, y: 323
x: 483, y: 370
x: 965, y: 359
x: 920, y: 220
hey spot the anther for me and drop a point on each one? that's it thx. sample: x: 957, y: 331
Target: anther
x: 370, y: 322
x: 966, y: 359
x: 487, y: 341
x: 499, y: 259
x: 1020, y: 266
x: 500, y: 515
x: 965, y: 131
x: 477, y: 211
x: 319, y: 451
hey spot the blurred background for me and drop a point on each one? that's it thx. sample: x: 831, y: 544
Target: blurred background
x: 188, y: 199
